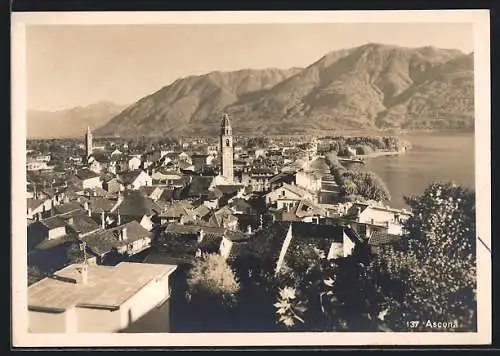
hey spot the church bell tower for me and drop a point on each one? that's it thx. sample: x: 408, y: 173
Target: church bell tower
x: 226, y: 148
x: 88, y: 142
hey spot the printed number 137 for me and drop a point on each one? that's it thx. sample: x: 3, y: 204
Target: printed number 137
x: 413, y: 323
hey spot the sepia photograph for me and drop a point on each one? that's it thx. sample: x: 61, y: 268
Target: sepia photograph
x: 251, y: 178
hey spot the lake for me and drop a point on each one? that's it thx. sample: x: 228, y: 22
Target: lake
x: 433, y: 157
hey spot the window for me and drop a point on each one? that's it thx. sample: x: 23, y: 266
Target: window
x: 227, y: 142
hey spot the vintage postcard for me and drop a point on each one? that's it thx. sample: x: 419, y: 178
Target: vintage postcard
x: 251, y: 178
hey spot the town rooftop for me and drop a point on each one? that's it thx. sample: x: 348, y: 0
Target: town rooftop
x: 107, y: 286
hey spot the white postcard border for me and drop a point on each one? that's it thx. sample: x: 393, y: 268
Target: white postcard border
x: 480, y: 21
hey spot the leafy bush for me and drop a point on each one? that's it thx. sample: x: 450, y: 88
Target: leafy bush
x: 212, y: 278
x: 434, y: 276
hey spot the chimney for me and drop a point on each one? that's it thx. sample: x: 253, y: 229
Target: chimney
x: 201, y: 235
x: 249, y: 229
x: 118, y: 219
x: 103, y: 220
x: 120, y: 196
x: 85, y: 273
x: 123, y: 234
x: 358, y: 212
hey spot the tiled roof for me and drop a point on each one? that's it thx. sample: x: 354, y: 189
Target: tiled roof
x: 98, y: 205
x: 303, y: 230
x: 53, y: 222
x: 129, y: 177
x: 213, y: 230
x: 201, y: 211
x: 236, y: 236
x: 82, y: 223
x: 137, y: 204
x: 383, y: 238
x: 86, y: 174
x: 267, y: 242
x: 229, y: 189
x: 306, y: 208
x: 162, y: 258
x: 104, y: 241
x: 210, y: 243
x: 67, y: 207
x: 109, y: 286
x: 179, y: 229
x: 34, y: 203
x: 175, y: 210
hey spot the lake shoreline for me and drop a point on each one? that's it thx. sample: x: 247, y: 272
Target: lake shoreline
x: 382, y: 154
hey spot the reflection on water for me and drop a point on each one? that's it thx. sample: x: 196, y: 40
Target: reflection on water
x: 433, y: 157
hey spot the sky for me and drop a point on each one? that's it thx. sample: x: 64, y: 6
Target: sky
x: 78, y: 65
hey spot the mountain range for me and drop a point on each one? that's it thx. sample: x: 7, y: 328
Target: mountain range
x: 71, y: 122
x: 370, y: 87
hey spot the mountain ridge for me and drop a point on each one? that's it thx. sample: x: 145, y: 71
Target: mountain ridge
x: 370, y: 87
x: 69, y: 122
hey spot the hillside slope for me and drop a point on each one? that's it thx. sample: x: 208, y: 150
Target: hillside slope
x: 373, y: 86
x: 71, y: 122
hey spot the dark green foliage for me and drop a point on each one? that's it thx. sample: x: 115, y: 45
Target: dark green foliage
x: 433, y: 276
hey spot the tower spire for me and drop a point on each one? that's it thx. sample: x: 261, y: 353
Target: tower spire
x: 226, y: 148
x: 88, y: 142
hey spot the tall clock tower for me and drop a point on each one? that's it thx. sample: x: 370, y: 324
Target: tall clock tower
x: 226, y: 148
x: 88, y: 142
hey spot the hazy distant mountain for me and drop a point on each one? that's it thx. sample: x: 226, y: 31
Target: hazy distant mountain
x: 193, y: 103
x: 372, y: 86
x: 70, y: 122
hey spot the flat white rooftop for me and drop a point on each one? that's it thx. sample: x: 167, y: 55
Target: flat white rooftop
x: 107, y: 286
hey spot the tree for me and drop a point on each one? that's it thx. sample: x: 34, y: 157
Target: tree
x: 211, y: 278
x: 363, y: 150
x: 332, y: 295
x: 370, y: 186
x: 432, y: 277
